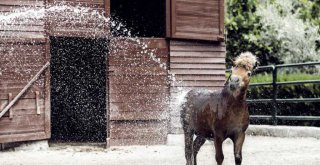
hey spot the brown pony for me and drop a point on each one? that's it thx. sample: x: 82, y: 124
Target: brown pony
x: 218, y: 115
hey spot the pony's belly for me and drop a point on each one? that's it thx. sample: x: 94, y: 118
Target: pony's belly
x: 207, y: 134
x: 204, y: 129
x: 204, y: 122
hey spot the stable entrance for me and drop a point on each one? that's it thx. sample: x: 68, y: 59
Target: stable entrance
x: 78, y: 89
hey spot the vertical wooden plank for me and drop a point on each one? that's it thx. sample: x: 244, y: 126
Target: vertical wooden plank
x: 47, y: 123
x: 37, y: 102
x: 168, y: 18
x: 107, y: 104
x: 47, y: 98
x: 221, y: 18
x: 10, y: 110
x: 107, y: 14
x: 173, y: 17
x: 107, y: 7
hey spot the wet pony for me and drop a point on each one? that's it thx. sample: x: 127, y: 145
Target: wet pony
x: 218, y: 115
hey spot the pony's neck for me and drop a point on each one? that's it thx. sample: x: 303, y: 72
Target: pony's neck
x: 242, y: 94
x: 238, y: 96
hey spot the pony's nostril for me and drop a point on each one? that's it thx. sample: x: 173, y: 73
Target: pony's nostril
x: 232, y: 86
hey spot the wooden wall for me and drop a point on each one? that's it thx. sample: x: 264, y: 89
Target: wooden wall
x: 138, y: 91
x: 62, y: 23
x: 85, y: 24
x: 22, y: 29
x: 195, y: 65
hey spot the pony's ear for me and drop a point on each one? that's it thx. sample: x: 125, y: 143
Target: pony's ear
x: 256, y: 65
x: 233, y: 61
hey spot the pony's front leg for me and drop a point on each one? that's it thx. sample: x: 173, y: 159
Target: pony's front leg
x: 219, y: 153
x: 237, y: 144
x: 188, y: 139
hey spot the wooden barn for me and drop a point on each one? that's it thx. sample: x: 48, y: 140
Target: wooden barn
x: 69, y: 82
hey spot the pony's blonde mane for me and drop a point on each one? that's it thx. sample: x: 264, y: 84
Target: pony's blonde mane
x: 246, y: 60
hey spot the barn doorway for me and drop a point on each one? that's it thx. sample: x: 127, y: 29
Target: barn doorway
x: 144, y: 18
x: 78, y: 89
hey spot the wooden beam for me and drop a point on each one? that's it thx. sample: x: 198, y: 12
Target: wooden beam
x: 35, y: 78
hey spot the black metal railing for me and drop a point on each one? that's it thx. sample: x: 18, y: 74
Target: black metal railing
x: 274, y: 100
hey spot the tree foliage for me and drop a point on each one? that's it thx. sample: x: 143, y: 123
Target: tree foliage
x: 268, y: 29
x: 296, y: 39
x: 243, y: 30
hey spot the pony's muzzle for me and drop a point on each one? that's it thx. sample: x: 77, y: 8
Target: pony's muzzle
x: 234, y: 82
x: 233, y: 86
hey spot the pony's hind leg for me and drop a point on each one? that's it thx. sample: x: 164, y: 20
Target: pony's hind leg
x: 196, y: 147
x: 188, y: 132
x: 188, y: 139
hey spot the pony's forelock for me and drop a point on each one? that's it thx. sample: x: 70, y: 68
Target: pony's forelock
x: 246, y: 60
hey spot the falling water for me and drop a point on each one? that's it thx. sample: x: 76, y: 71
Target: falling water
x: 18, y: 19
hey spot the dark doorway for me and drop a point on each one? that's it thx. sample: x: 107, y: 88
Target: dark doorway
x: 78, y: 89
x: 144, y: 18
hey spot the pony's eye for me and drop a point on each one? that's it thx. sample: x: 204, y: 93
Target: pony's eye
x: 249, y: 74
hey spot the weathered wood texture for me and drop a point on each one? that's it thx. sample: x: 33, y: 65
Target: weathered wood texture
x: 138, y: 91
x: 19, y: 27
x: 141, y: 132
x: 79, y: 18
x: 29, y: 118
x: 197, y: 19
x: 194, y: 65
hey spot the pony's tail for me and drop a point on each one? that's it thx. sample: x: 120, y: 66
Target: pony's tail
x: 185, y: 113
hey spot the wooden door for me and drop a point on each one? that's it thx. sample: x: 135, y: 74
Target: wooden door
x: 196, y: 19
x: 29, y: 118
x: 23, y: 53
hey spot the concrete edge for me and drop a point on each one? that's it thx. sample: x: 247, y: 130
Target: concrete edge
x: 263, y: 130
x: 284, y: 131
x: 26, y: 146
x: 178, y: 139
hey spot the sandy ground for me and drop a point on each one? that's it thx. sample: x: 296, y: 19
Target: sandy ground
x: 257, y: 150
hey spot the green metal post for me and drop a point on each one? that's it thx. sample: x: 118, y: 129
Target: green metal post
x: 275, y: 95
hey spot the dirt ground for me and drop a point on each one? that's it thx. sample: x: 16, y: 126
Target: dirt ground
x: 257, y: 150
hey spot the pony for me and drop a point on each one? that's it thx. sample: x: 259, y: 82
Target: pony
x: 218, y: 115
